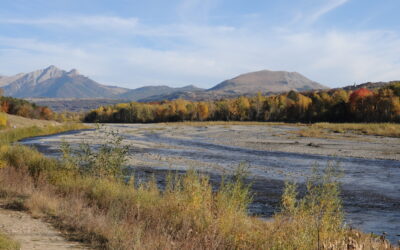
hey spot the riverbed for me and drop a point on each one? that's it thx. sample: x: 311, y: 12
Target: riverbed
x: 273, y: 153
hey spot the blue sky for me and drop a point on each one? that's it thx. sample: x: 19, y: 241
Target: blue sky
x: 135, y: 43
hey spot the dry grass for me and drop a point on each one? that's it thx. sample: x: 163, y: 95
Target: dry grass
x: 15, y: 121
x: 7, y: 243
x: 226, y: 123
x: 380, y: 129
x: 311, y: 132
x: 188, y: 214
x: 332, y: 130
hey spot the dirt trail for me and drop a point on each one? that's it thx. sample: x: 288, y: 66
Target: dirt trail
x: 33, y: 233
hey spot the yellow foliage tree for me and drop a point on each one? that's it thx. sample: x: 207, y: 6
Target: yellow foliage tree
x: 203, y: 111
x: 3, y: 119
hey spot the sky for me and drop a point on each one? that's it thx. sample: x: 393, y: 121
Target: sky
x: 132, y: 43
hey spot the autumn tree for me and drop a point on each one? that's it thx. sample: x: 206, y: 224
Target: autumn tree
x: 360, y: 102
x: 332, y: 105
x: 46, y: 113
x: 202, y: 111
x: 242, y: 106
x: 256, y: 109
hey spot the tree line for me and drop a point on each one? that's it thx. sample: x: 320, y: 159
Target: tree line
x: 20, y: 107
x: 338, y: 105
x: 24, y: 108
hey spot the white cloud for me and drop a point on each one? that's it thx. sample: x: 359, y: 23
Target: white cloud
x: 329, y: 6
x: 94, y: 22
x: 205, y: 55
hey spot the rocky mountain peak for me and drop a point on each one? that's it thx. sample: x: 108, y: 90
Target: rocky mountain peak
x: 42, y: 75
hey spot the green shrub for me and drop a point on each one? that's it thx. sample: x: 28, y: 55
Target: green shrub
x: 107, y: 161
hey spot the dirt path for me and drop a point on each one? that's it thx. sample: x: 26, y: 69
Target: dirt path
x: 33, y: 233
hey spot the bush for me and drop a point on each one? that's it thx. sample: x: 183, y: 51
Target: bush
x: 316, y: 218
x: 107, y: 161
x: 21, y: 157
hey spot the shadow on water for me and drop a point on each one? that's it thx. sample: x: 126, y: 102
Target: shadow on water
x: 37, y: 139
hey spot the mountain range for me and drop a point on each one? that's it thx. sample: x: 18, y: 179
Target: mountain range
x: 53, y: 82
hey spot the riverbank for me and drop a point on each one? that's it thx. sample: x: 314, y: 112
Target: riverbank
x: 156, y: 149
x: 107, y: 213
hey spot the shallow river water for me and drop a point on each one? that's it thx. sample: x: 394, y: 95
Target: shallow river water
x: 370, y: 187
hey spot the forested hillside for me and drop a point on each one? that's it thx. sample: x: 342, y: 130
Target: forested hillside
x: 24, y: 108
x: 361, y: 105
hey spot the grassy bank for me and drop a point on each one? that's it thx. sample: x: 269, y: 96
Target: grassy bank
x: 380, y: 129
x: 330, y: 130
x: 10, y: 135
x: 7, y: 243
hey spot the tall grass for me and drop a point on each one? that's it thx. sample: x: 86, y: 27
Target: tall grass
x: 187, y: 214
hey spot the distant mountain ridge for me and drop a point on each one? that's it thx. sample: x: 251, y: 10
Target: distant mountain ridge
x: 148, y: 91
x: 272, y: 81
x: 264, y: 81
x: 56, y: 83
x: 53, y: 82
x: 369, y: 85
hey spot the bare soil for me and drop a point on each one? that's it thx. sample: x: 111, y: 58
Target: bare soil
x: 33, y: 233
